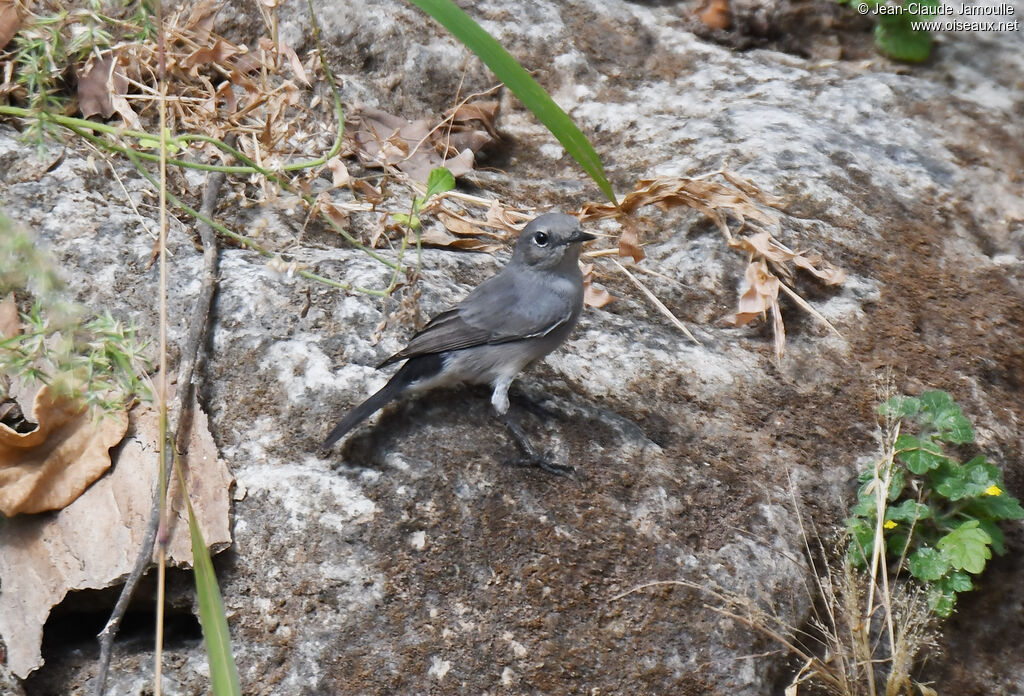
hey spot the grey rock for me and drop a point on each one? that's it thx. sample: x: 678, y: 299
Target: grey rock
x: 416, y: 561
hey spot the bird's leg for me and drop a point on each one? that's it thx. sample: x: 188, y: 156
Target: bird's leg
x: 530, y: 455
x: 537, y: 407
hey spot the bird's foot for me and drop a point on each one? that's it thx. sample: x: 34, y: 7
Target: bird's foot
x: 530, y: 455
x: 556, y: 469
x: 544, y: 461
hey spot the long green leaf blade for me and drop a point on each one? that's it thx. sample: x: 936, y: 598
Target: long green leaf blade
x: 522, y: 84
x: 223, y: 671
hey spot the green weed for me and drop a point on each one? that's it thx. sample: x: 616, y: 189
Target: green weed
x: 939, y: 514
x: 895, y: 35
x: 96, y: 359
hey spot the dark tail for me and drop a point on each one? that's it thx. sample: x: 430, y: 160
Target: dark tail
x: 412, y: 371
x: 364, y: 410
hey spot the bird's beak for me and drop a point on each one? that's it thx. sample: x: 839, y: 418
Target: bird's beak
x: 580, y: 236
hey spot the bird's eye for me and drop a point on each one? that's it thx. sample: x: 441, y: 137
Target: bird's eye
x: 541, y: 239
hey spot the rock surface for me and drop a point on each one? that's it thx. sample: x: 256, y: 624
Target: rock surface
x: 414, y: 560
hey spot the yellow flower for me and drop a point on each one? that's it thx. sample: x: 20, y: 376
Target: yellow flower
x: 993, y: 490
x: 889, y: 524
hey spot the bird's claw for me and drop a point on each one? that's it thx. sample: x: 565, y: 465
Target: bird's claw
x: 556, y: 469
x: 545, y: 462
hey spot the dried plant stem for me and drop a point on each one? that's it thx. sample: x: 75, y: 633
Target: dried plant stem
x: 821, y: 669
x: 72, y: 123
x: 197, y: 331
x: 161, y: 546
x: 657, y: 303
x: 882, y: 480
x: 808, y: 308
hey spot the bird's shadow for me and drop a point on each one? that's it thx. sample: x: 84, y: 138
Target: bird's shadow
x: 370, y: 444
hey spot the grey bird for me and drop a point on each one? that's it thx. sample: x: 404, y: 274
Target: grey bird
x: 508, y: 322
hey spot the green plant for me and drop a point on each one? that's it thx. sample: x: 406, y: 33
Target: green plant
x: 95, y: 359
x: 522, y: 84
x: 40, y: 60
x: 936, y: 515
x: 897, y: 33
x: 216, y: 636
x: 439, y: 181
x: 57, y: 39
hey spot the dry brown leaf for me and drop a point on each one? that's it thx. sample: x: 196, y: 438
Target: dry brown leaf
x: 751, y: 189
x: 716, y: 15
x: 486, y: 112
x: 708, y: 197
x: 339, y: 172
x: 504, y: 218
x: 472, y: 140
x: 10, y: 20
x: 239, y: 79
x: 247, y: 63
x: 101, y: 90
x: 49, y: 467
x: 226, y: 92
x: 383, y: 139
x: 457, y: 225
x: 761, y: 295
x: 367, y: 191
x: 831, y: 275
x: 594, y: 295
x: 416, y: 147
x: 97, y: 85
x: 438, y: 236
x: 93, y: 542
x: 292, y: 94
x: 10, y: 322
x: 471, y: 126
x: 764, y: 245
x: 125, y: 111
x: 464, y: 227
x: 200, y: 20
x: 459, y: 165
x: 294, y: 62
x: 769, y: 258
x: 217, y: 54
x: 334, y: 213
x: 629, y: 241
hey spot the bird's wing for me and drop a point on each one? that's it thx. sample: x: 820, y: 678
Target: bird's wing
x: 493, y: 313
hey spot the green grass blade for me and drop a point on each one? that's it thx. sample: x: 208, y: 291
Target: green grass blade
x: 533, y: 96
x: 223, y: 671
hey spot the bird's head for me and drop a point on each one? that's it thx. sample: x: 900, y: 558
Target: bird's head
x: 550, y: 241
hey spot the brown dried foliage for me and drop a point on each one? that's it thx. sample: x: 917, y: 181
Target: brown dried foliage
x: 47, y: 468
x: 416, y: 147
x: 770, y: 263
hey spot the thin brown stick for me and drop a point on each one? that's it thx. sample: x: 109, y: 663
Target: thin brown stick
x: 162, y: 448
x: 186, y: 370
x: 659, y: 305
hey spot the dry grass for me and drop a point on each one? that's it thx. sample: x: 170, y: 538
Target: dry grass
x: 865, y: 636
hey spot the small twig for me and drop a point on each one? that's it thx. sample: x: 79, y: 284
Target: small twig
x: 657, y: 303
x: 808, y: 308
x: 186, y: 369
x: 161, y: 400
